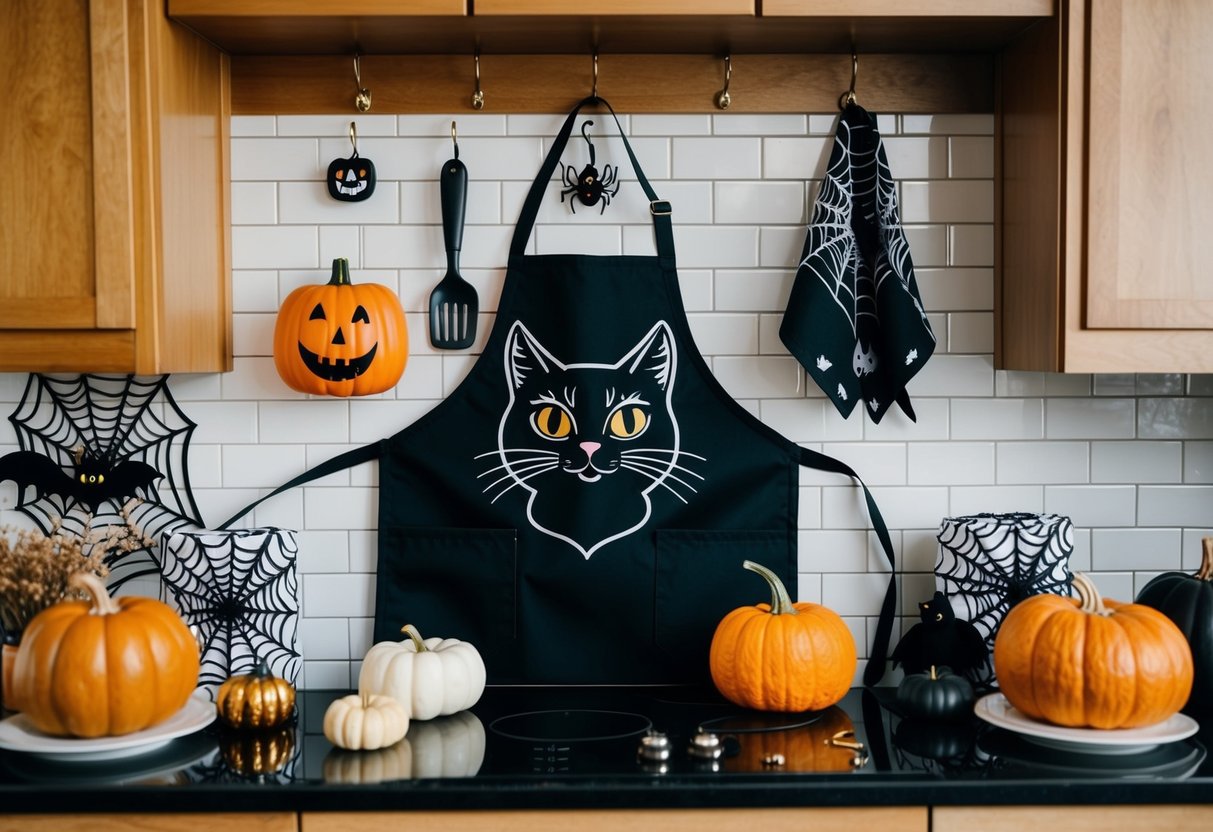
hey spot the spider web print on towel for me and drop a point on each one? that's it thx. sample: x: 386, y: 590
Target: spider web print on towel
x: 240, y: 591
x: 990, y: 562
x: 855, y: 319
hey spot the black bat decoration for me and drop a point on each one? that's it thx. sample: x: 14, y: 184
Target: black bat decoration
x: 91, y: 483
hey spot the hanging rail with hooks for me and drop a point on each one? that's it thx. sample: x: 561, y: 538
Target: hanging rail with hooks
x: 635, y: 83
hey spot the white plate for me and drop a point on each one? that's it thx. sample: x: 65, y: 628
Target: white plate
x: 18, y: 734
x: 996, y: 710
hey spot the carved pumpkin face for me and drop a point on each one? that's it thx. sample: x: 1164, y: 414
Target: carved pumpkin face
x: 352, y: 179
x: 338, y: 339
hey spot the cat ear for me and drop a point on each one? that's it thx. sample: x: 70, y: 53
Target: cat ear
x: 654, y: 355
x: 524, y: 355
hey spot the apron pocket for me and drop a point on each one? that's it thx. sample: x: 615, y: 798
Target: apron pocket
x: 699, y: 580
x: 449, y: 582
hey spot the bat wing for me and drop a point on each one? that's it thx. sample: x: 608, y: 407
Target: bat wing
x: 27, y: 468
x: 128, y: 478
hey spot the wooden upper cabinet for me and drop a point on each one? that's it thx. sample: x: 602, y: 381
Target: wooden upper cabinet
x: 1105, y: 191
x: 114, y: 246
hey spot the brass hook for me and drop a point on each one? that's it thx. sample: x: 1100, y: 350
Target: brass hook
x: 594, y: 88
x: 478, y: 95
x: 362, y: 99
x: 455, y: 139
x: 848, y: 97
x: 723, y: 99
x: 354, y: 137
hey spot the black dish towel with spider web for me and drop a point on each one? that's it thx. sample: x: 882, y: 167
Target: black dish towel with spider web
x: 855, y: 319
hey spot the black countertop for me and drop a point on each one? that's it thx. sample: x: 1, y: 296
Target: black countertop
x: 522, y: 766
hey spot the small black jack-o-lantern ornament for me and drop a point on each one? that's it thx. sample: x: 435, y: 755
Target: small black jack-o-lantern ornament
x: 352, y: 179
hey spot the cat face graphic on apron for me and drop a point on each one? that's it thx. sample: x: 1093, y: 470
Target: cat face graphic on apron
x: 580, y: 506
x: 578, y: 434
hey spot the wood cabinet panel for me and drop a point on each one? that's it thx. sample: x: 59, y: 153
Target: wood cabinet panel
x: 907, y: 8
x: 1150, y: 194
x: 614, y: 7
x: 246, y: 822
x: 893, y: 819
x: 1072, y: 818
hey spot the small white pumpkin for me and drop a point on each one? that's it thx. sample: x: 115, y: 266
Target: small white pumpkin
x: 452, y: 746
x: 430, y: 677
x: 365, y: 722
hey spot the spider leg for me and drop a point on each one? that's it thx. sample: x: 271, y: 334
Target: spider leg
x: 570, y: 177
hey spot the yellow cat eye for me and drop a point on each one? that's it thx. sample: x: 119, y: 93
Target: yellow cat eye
x: 628, y: 422
x: 553, y: 422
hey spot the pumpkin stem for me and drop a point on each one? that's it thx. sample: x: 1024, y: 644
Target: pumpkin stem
x: 1205, y: 572
x: 934, y: 677
x: 103, y: 604
x: 262, y: 669
x: 341, y: 272
x: 411, y: 631
x: 1092, y: 601
x: 781, y: 602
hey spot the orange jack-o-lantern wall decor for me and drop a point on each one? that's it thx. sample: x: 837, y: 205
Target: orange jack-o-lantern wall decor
x: 338, y: 339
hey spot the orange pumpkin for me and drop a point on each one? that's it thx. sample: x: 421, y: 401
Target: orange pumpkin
x: 1088, y: 662
x: 339, y: 339
x: 782, y: 656
x: 104, y: 667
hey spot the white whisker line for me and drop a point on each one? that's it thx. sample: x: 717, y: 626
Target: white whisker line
x: 660, y: 482
x: 500, y: 451
x: 531, y: 470
x: 635, y: 466
x: 515, y: 463
x: 517, y: 482
x: 665, y: 462
x: 676, y: 453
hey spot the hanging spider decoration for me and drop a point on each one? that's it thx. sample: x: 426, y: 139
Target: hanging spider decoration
x: 589, y: 186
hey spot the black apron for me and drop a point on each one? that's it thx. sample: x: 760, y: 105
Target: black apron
x: 580, y: 506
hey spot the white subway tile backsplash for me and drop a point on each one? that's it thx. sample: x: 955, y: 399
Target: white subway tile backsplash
x: 309, y: 202
x: 971, y: 157
x: 253, y: 126
x: 928, y: 246
x: 1094, y: 505
x: 222, y: 421
x: 1160, y: 384
x: 971, y: 245
x: 760, y: 202
x: 1114, y: 384
x: 432, y: 124
x: 970, y: 332
x: 697, y: 124
x: 1023, y: 463
x: 953, y: 289
x: 744, y: 124
x: 959, y: 200
x: 853, y: 594
x: 709, y: 246
x: 323, y: 552
x: 1129, y: 462
x: 333, y: 596
x: 340, y: 508
x: 836, y: 550
x: 253, y: 334
x: 1089, y: 418
x: 696, y: 287
x: 809, y: 511
x: 781, y: 247
x: 917, y: 157
x: 758, y: 377
x: 954, y: 124
x: 725, y: 334
x: 254, y: 291
x: 1123, y: 550
x: 325, y: 638
x: 951, y: 463
x: 1018, y: 383
x: 880, y: 463
x: 954, y: 375
x: 303, y: 422
x: 572, y: 239
x: 753, y: 290
x: 260, y: 466
x: 913, y: 507
x: 1173, y: 505
x: 1190, y: 418
x: 275, y: 247
x: 277, y: 160
x: 797, y: 159
x: 337, y: 125
x: 1001, y: 499
x: 1198, y: 462
x: 717, y: 158
x: 932, y: 423
x: 254, y: 203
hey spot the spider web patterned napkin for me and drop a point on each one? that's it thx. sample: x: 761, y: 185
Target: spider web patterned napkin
x: 855, y: 319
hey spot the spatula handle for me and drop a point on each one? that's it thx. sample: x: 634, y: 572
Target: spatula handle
x: 453, y: 185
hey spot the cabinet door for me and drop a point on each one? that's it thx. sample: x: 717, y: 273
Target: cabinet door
x: 1071, y: 818
x: 1149, y: 248
x: 66, y: 245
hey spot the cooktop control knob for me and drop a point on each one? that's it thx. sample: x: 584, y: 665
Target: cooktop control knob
x: 706, y: 746
x: 654, y: 748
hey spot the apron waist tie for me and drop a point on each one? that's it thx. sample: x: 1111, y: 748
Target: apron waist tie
x: 888, y: 609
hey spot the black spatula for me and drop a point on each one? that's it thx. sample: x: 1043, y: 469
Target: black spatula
x: 454, y: 302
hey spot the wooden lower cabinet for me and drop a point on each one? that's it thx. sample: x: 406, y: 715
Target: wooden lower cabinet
x: 1142, y: 818
x: 243, y: 821
x: 893, y: 819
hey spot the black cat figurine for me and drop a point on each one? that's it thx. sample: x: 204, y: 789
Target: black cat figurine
x: 940, y: 639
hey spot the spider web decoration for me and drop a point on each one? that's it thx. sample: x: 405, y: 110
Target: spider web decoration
x: 988, y: 563
x: 114, y: 420
x: 240, y: 591
x: 855, y: 319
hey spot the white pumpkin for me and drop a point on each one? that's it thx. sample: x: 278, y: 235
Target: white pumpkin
x: 365, y: 722
x: 430, y: 677
x: 452, y: 746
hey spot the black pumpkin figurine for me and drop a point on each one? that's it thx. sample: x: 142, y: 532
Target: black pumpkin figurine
x: 939, y: 694
x: 940, y: 638
x: 1188, y: 601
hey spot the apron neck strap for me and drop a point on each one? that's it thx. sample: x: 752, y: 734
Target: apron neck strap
x: 660, y: 209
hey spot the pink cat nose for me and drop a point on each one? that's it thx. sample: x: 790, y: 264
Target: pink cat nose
x: 589, y: 448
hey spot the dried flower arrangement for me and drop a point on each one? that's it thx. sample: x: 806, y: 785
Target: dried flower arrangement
x: 35, y: 568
